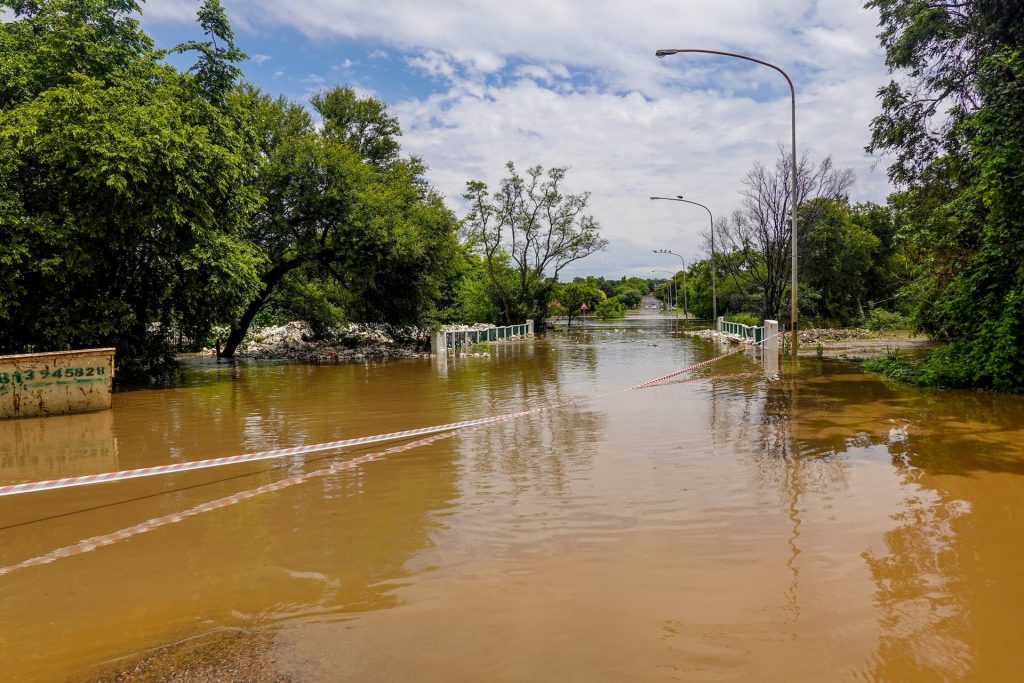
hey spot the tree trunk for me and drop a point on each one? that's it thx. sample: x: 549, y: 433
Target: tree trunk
x: 270, y: 280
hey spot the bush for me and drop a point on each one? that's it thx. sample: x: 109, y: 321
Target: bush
x: 881, y: 319
x: 744, y: 319
x: 610, y: 309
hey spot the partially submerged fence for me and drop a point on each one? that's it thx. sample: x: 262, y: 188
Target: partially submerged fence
x: 443, y: 341
x: 767, y: 334
x: 756, y: 334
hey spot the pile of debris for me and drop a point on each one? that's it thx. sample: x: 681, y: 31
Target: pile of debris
x: 352, y: 342
x: 715, y: 335
x: 814, y: 336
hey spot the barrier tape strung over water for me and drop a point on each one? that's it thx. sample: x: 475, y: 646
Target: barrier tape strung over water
x: 277, y: 453
x: 104, y: 540
x: 96, y: 542
x: 85, y: 480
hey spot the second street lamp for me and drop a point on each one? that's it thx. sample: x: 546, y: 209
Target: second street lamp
x: 669, y: 251
x: 714, y: 267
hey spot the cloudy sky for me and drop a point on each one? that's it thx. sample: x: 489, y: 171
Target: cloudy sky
x: 477, y: 83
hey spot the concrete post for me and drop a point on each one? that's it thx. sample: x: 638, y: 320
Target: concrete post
x: 771, y: 337
x: 438, y: 344
x: 529, y: 327
x: 721, y: 320
x: 770, y: 350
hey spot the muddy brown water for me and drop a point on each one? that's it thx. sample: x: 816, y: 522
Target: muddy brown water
x: 820, y: 525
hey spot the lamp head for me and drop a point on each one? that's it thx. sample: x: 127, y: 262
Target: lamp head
x: 664, y: 53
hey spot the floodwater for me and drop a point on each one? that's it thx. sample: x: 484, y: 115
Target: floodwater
x: 814, y: 525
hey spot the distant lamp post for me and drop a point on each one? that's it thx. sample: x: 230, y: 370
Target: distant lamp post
x: 793, y: 196
x: 669, y: 251
x: 671, y: 283
x: 714, y: 283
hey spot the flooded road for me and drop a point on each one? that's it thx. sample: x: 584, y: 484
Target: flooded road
x: 818, y: 525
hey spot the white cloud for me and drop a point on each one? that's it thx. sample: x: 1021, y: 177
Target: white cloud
x: 577, y: 83
x: 260, y: 59
x: 171, y: 10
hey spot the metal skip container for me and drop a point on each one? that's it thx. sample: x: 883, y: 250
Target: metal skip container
x: 37, y: 384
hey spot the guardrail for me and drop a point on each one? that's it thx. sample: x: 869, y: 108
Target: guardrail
x: 443, y: 341
x: 742, y: 331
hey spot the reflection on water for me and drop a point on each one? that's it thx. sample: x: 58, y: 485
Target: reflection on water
x: 58, y: 446
x: 809, y: 523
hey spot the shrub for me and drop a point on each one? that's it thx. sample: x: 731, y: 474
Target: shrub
x: 744, y: 319
x: 610, y: 309
x: 881, y: 319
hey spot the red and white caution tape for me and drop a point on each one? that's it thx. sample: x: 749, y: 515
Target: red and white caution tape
x: 438, y: 432
x: 84, y: 480
x: 277, y: 453
x: 96, y: 542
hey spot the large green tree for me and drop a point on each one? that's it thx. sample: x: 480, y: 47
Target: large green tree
x: 538, y: 228
x: 954, y: 119
x: 124, y: 184
x: 339, y: 203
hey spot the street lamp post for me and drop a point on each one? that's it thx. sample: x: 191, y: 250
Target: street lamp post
x: 793, y: 196
x: 672, y: 301
x: 714, y: 283
x: 685, y: 302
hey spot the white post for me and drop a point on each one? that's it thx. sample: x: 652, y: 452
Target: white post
x: 439, y: 344
x: 721, y: 319
x: 529, y: 327
x: 771, y: 337
x: 770, y: 348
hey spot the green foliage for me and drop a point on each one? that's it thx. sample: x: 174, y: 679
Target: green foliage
x: 341, y: 205
x: 478, y: 298
x: 836, y: 255
x: 629, y: 297
x: 124, y: 190
x: 572, y: 295
x: 880, y: 319
x: 540, y: 230
x: 744, y: 319
x: 956, y: 125
x: 216, y: 73
x: 610, y: 309
x: 140, y: 204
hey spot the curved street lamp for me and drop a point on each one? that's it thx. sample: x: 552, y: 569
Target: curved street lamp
x: 671, y: 283
x: 714, y: 284
x: 792, y: 207
x: 669, y: 251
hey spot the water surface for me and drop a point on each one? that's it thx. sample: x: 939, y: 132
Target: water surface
x: 818, y: 524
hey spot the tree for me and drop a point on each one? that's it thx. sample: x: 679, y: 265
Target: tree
x: 610, y: 309
x: 573, y: 295
x: 953, y: 120
x: 123, y: 189
x: 540, y: 229
x: 837, y: 257
x: 761, y: 231
x: 339, y: 203
x: 630, y: 297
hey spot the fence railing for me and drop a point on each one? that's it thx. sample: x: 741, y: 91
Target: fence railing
x: 443, y: 341
x: 742, y: 331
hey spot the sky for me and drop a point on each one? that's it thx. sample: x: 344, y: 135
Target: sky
x: 477, y: 83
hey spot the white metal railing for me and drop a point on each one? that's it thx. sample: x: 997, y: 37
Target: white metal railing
x: 443, y: 341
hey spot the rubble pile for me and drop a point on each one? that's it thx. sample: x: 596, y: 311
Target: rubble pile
x: 352, y: 342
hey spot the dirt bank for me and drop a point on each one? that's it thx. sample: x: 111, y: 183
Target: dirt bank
x: 229, y: 656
